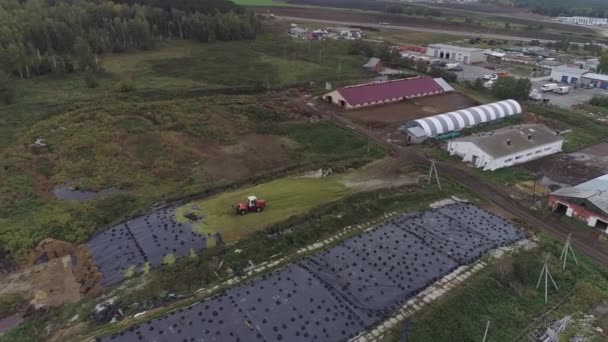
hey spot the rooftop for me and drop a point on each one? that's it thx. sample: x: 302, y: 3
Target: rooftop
x: 595, y: 191
x: 570, y: 70
x: 523, y: 138
x: 454, y: 47
x: 381, y: 91
x: 595, y: 76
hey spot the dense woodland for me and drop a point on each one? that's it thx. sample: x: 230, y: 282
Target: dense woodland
x: 554, y: 8
x: 44, y: 36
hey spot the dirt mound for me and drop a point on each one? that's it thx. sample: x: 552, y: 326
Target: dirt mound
x: 83, y: 267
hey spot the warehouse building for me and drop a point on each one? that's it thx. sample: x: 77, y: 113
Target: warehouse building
x: 507, y: 146
x: 594, y: 80
x: 566, y: 74
x: 419, y: 130
x: 456, y: 53
x: 377, y: 93
x: 587, y: 202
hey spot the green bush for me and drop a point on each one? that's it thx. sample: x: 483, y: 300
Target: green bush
x: 90, y: 81
x: 125, y: 85
x: 599, y: 101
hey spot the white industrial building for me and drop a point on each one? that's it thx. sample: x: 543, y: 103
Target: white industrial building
x: 507, y: 146
x: 583, y: 21
x: 456, y: 53
x: 566, y: 74
x: 419, y: 130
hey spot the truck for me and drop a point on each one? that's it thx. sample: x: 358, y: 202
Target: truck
x: 251, y: 204
x: 562, y: 90
x: 453, y: 67
x: 549, y: 87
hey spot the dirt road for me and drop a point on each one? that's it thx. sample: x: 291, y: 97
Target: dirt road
x: 585, y: 241
x: 416, y: 29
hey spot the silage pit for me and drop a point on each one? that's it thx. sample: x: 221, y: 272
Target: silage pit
x: 144, y: 239
x: 336, y: 294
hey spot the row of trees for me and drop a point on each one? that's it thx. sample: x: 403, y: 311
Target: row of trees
x: 505, y: 87
x: 554, y: 8
x: 39, y: 36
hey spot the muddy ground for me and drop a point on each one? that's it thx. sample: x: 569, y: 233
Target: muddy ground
x: 571, y: 169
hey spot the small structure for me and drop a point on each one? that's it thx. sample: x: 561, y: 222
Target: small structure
x: 374, y: 64
x: 377, y: 93
x: 587, y: 202
x: 419, y: 130
x: 507, y: 146
x: 593, y: 80
x: 456, y: 53
x: 566, y: 74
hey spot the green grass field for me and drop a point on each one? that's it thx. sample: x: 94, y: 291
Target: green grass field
x: 285, y: 198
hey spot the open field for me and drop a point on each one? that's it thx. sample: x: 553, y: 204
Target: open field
x: 284, y: 197
x: 458, y: 24
x: 187, y: 127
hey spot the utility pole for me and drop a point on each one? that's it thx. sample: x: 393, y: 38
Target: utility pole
x: 485, y: 335
x: 434, y: 170
x: 545, y: 271
x: 567, y: 248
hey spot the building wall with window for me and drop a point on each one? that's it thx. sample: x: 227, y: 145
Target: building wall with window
x: 474, y: 154
x: 456, y: 53
x: 578, y: 212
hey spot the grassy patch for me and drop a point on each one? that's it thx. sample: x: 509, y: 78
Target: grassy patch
x: 509, y: 300
x: 9, y: 304
x: 284, y: 197
x: 260, y: 3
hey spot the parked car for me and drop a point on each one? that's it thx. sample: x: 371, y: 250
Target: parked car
x: 453, y: 67
x: 535, y: 95
x: 488, y: 84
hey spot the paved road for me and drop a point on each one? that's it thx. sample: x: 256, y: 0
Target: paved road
x: 584, y: 241
x: 417, y: 29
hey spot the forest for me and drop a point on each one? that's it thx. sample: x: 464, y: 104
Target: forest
x: 59, y: 36
x: 555, y: 8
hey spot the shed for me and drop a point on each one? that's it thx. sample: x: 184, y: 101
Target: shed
x: 456, y: 53
x: 587, y: 202
x: 595, y: 80
x: 455, y: 121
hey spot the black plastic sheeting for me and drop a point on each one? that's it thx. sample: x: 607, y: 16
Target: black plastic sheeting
x: 336, y: 294
x: 147, y: 238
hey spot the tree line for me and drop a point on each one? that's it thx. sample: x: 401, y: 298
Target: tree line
x: 555, y: 8
x: 58, y: 36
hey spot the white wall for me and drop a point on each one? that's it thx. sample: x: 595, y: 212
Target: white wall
x: 457, y: 55
x: 557, y: 75
x: 470, y: 152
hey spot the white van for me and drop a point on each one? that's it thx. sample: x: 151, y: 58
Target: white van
x: 562, y: 90
x: 549, y: 87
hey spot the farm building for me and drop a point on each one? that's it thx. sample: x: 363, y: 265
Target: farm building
x: 566, y: 74
x: 507, y: 146
x: 587, y: 202
x: 419, y: 130
x: 595, y: 80
x: 376, y: 93
x: 456, y: 53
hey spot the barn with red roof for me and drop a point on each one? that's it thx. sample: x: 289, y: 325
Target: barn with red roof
x: 377, y: 93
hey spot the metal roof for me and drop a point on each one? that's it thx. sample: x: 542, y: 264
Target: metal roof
x: 594, y: 191
x: 382, y: 91
x: 495, y: 143
x: 461, y: 119
x: 595, y: 76
x: 570, y: 70
x: 454, y: 47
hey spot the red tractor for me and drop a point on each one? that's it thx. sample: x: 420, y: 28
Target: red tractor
x: 252, y: 204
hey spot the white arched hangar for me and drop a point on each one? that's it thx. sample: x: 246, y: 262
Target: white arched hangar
x: 419, y: 130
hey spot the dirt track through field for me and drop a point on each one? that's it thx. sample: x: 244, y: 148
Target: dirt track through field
x: 585, y: 241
